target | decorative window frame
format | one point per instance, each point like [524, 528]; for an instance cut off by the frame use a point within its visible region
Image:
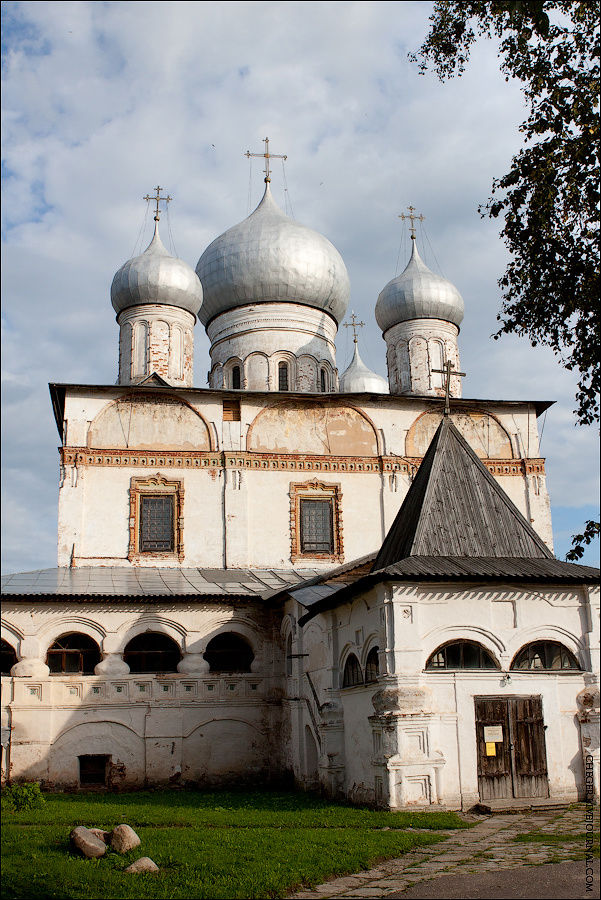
[155, 484]
[316, 490]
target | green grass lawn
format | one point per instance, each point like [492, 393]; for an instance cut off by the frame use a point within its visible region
[213, 845]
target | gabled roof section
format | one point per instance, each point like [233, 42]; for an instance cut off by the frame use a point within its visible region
[455, 508]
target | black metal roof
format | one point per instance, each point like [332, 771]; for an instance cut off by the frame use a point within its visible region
[456, 508]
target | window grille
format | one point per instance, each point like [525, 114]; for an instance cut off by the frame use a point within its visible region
[283, 376]
[317, 534]
[73, 654]
[156, 524]
[549, 655]
[372, 666]
[461, 655]
[352, 672]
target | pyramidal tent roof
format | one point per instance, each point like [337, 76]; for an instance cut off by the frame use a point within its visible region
[456, 508]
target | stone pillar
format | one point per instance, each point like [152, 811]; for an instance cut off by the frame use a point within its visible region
[588, 716]
[30, 661]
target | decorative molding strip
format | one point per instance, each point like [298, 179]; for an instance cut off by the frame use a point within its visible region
[298, 462]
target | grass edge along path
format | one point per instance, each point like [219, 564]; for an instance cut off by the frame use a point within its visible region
[206, 844]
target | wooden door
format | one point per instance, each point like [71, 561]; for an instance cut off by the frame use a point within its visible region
[494, 769]
[512, 760]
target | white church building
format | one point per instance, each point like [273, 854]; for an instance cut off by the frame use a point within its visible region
[296, 574]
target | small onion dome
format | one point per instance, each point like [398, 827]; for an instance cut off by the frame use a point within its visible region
[418, 294]
[358, 378]
[156, 277]
[271, 258]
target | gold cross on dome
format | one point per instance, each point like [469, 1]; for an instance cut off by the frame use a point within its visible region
[266, 156]
[413, 219]
[354, 325]
[157, 199]
[448, 370]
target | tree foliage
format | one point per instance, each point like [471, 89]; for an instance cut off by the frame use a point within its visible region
[550, 196]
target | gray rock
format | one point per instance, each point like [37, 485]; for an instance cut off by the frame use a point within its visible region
[145, 864]
[100, 833]
[84, 840]
[123, 838]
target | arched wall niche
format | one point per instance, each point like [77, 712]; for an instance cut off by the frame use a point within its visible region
[150, 422]
[330, 429]
[483, 432]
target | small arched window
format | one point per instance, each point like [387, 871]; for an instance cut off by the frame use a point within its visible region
[229, 652]
[352, 672]
[8, 657]
[461, 655]
[283, 380]
[73, 654]
[372, 666]
[236, 378]
[152, 652]
[550, 656]
[323, 381]
[289, 656]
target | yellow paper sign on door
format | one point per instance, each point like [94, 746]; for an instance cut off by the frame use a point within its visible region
[491, 748]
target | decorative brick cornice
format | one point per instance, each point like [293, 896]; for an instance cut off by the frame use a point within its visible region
[297, 462]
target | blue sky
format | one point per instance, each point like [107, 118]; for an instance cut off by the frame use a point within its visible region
[102, 101]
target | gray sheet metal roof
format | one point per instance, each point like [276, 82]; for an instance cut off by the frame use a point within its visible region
[120, 582]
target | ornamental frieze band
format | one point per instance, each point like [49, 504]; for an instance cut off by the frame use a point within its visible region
[206, 459]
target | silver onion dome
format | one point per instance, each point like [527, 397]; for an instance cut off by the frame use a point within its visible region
[156, 277]
[271, 258]
[357, 378]
[418, 293]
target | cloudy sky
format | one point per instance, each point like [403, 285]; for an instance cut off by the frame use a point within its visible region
[105, 100]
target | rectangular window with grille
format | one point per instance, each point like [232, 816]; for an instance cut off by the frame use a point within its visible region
[316, 526]
[156, 524]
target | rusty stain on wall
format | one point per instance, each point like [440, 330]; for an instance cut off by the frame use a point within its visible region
[296, 427]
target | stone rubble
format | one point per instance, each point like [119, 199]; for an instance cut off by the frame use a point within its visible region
[88, 843]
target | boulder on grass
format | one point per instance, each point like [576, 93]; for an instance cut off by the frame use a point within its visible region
[123, 838]
[100, 833]
[87, 843]
[145, 864]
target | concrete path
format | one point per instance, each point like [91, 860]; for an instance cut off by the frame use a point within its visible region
[484, 851]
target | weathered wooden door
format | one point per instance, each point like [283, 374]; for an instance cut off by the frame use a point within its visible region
[512, 761]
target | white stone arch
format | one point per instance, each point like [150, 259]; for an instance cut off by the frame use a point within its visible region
[256, 371]
[152, 623]
[139, 349]
[105, 721]
[436, 359]
[58, 627]
[287, 626]
[216, 377]
[218, 719]
[372, 640]
[13, 631]
[283, 356]
[547, 633]
[228, 369]
[447, 634]
[107, 737]
[308, 368]
[244, 629]
[330, 373]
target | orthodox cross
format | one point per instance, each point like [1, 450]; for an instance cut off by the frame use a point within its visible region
[266, 156]
[448, 370]
[157, 199]
[413, 219]
[354, 325]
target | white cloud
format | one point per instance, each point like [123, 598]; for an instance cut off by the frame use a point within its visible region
[102, 101]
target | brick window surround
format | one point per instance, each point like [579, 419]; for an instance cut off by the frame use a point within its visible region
[155, 486]
[315, 490]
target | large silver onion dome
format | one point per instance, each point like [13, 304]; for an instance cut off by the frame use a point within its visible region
[156, 277]
[271, 258]
[418, 293]
[358, 377]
